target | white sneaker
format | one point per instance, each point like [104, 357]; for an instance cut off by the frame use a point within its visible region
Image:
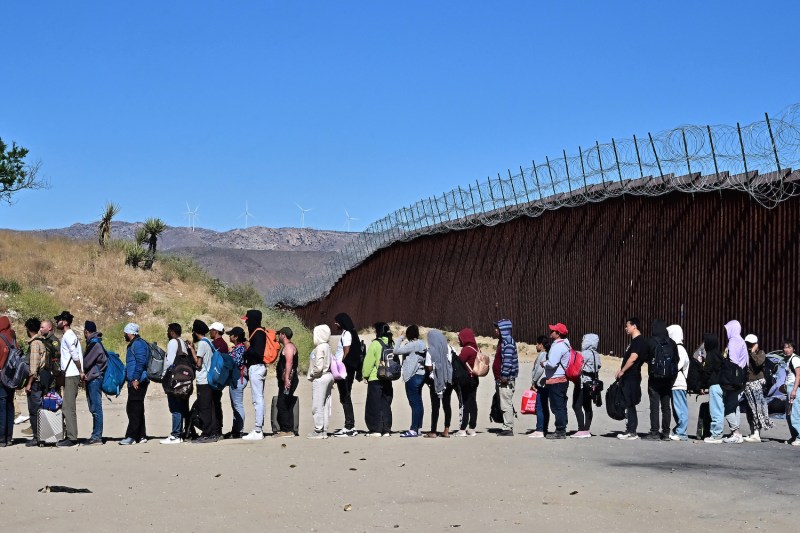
[627, 436]
[460, 433]
[172, 440]
[536, 435]
[386, 435]
[21, 418]
[375, 434]
[472, 433]
[254, 435]
[341, 432]
[752, 438]
[317, 435]
[733, 439]
[713, 440]
[796, 443]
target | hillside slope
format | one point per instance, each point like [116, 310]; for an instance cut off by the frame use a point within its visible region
[41, 277]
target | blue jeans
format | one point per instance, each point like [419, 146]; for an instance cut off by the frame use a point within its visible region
[237, 402]
[680, 411]
[793, 418]
[542, 410]
[6, 414]
[558, 402]
[94, 398]
[179, 408]
[716, 406]
[414, 394]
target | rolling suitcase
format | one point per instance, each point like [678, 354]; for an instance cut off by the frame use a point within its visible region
[295, 411]
[50, 427]
[704, 421]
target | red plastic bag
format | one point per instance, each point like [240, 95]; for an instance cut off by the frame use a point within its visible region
[528, 404]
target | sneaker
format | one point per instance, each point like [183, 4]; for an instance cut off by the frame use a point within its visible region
[388, 434]
[556, 435]
[628, 436]
[172, 440]
[203, 440]
[317, 435]
[20, 419]
[581, 435]
[32, 443]
[796, 443]
[374, 434]
[409, 433]
[127, 441]
[352, 432]
[27, 431]
[285, 434]
[713, 440]
[460, 433]
[93, 442]
[506, 433]
[653, 435]
[65, 443]
[673, 436]
[472, 433]
[733, 439]
[254, 435]
[752, 438]
[341, 433]
[536, 435]
[143, 440]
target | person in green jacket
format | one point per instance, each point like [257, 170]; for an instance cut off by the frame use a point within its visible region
[378, 409]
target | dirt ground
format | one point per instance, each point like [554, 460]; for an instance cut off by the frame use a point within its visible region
[470, 484]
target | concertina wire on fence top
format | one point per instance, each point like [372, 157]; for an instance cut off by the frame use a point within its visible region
[688, 159]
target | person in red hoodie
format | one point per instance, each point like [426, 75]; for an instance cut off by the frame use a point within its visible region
[467, 394]
[9, 340]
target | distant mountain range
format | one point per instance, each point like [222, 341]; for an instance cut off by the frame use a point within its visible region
[263, 257]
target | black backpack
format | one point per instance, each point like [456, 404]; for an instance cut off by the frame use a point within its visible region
[179, 378]
[615, 402]
[460, 372]
[698, 376]
[664, 362]
[15, 373]
[732, 377]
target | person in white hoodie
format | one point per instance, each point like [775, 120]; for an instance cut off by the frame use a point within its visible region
[319, 374]
[680, 407]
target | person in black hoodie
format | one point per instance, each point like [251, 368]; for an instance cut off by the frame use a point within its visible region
[715, 395]
[348, 350]
[256, 369]
[659, 388]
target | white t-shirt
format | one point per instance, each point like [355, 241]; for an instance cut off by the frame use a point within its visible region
[793, 364]
[71, 349]
[172, 351]
[204, 352]
[345, 340]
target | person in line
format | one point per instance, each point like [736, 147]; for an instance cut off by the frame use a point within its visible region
[178, 407]
[256, 369]
[468, 392]
[37, 354]
[630, 375]
[94, 366]
[8, 340]
[319, 374]
[582, 395]
[757, 409]
[378, 407]
[202, 350]
[440, 369]
[737, 353]
[680, 406]
[348, 350]
[716, 405]
[52, 345]
[792, 381]
[538, 379]
[286, 371]
[555, 370]
[215, 331]
[72, 369]
[136, 374]
[413, 356]
[659, 389]
[239, 381]
[505, 369]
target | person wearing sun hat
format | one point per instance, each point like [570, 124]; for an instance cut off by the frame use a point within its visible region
[556, 377]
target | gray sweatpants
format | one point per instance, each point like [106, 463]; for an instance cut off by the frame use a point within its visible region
[507, 404]
[69, 407]
[321, 401]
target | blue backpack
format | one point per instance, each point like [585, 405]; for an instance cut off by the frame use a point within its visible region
[114, 376]
[220, 372]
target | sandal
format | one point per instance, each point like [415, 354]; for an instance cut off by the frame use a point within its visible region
[431, 435]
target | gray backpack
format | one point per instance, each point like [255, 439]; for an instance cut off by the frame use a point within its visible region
[16, 370]
[155, 363]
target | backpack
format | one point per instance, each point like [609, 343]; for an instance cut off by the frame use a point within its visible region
[16, 370]
[220, 370]
[155, 362]
[272, 347]
[664, 362]
[179, 378]
[615, 402]
[114, 375]
[481, 366]
[697, 377]
[575, 366]
[389, 367]
[732, 377]
[460, 371]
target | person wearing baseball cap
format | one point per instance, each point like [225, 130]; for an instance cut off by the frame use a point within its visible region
[209, 401]
[215, 331]
[94, 366]
[72, 372]
[556, 377]
[758, 414]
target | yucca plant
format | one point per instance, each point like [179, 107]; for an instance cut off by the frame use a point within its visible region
[141, 236]
[135, 254]
[154, 228]
[104, 228]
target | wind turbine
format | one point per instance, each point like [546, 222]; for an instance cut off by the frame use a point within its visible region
[192, 214]
[348, 219]
[247, 214]
[303, 215]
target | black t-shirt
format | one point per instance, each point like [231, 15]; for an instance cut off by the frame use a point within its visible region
[641, 347]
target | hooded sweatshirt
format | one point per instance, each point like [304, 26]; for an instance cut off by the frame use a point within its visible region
[591, 359]
[438, 349]
[737, 349]
[353, 358]
[713, 357]
[95, 360]
[676, 334]
[469, 349]
[10, 336]
[320, 360]
[254, 355]
[414, 357]
[506, 360]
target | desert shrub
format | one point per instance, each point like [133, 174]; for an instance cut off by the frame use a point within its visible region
[244, 296]
[33, 303]
[10, 286]
[184, 269]
[139, 297]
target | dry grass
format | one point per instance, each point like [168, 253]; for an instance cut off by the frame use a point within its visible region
[94, 284]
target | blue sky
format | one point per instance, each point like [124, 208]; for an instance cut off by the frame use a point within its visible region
[358, 105]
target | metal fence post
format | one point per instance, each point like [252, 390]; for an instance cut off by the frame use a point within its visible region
[658, 162]
[550, 171]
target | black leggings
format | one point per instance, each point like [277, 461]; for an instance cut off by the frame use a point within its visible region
[582, 403]
[345, 387]
[444, 402]
[467, 402]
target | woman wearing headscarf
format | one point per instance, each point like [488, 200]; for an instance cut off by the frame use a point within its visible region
[319, 374]
[378, 408]
[413, 354]
[737, 353]
[441, 380]
[467, 392]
